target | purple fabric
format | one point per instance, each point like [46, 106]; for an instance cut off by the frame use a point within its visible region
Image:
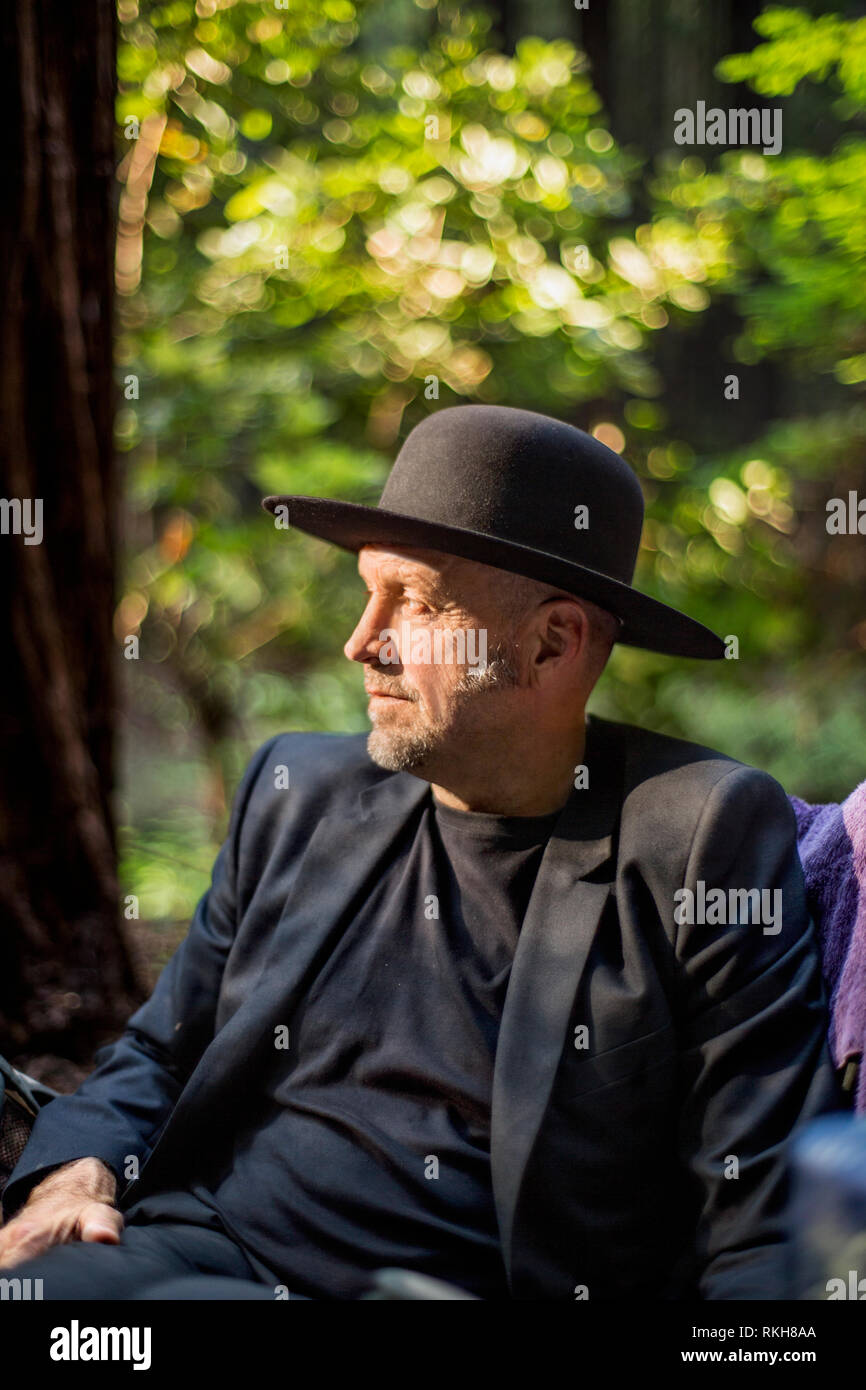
[832, 844]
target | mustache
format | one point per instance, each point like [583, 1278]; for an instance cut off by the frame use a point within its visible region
[391, 688]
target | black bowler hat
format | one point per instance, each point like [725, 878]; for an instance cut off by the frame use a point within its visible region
[502, 486]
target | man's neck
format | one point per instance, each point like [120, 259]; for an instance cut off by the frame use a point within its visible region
[529, 785]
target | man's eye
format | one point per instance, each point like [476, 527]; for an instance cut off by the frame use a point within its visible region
[416, 606]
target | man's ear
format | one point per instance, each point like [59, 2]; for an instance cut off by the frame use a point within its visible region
[563, 630]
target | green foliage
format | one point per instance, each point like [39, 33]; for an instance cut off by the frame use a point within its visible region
[320, 230]
[801, 46]
[788, 244]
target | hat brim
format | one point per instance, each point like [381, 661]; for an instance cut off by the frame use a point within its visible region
[646, 622]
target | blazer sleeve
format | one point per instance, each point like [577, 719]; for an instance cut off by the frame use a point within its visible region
[120, 1108]
[754, 1061]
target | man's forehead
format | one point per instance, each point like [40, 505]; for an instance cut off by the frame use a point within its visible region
[411, 562]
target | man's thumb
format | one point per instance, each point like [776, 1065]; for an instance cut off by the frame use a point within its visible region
[101, 1223]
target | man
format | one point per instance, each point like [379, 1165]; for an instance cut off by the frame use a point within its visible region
[506, 994]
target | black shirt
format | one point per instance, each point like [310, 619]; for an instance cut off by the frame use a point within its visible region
[369, 1144]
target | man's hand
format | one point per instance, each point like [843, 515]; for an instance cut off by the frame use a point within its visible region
[75, 1202]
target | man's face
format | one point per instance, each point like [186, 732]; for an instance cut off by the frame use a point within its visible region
[429, 620]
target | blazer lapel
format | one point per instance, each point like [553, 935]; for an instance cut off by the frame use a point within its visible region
[343, 854]
[555, 940]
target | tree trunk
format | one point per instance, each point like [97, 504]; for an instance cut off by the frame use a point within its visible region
[66, 977]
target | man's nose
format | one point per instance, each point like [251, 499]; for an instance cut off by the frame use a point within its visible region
[366, 641]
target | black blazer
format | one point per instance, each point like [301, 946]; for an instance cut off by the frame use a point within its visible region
[640, 1061]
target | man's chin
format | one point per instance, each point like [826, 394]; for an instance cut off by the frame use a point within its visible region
[398, 753]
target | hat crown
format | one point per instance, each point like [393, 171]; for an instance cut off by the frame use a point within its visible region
[525, 478]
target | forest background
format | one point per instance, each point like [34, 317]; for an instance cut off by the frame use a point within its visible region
[331, 217]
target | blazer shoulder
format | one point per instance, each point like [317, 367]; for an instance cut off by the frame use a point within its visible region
[322, 771]
[667, 781]
[647, 753]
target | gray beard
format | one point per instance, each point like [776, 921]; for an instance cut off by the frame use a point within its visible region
[396, 751]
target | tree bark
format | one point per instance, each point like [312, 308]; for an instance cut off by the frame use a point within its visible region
[66, 976]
